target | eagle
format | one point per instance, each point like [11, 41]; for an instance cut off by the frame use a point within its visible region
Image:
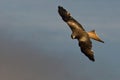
[79, 33]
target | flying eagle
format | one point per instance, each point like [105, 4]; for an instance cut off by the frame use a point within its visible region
[79, 33]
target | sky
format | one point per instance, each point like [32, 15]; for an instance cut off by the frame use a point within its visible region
[35, 43]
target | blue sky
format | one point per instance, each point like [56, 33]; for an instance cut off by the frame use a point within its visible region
[35, 43]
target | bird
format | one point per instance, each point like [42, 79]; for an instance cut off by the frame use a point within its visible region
[79, 33]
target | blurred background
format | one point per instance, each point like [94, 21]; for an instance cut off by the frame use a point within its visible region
[35, 43]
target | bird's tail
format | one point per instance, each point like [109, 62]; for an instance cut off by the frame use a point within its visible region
[93, 35]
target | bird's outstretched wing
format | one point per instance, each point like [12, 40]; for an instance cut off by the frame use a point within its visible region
[72, 23]
[86, 46]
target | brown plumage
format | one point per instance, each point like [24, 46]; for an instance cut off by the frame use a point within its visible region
[79, 33]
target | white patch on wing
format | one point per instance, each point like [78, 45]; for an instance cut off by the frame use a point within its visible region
[83, 39]
[71, 23]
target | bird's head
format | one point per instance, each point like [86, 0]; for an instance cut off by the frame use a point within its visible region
[64, 13]
[73, 36]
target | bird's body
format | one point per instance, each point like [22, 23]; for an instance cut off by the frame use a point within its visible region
[79, 33]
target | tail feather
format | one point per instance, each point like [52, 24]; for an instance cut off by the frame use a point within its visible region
[93, 35]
